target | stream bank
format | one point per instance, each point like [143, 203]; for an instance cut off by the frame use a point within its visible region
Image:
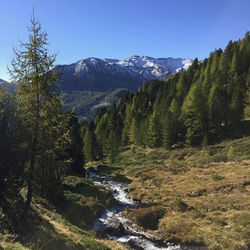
[114, 223]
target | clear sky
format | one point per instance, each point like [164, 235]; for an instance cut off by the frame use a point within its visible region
[121, 28]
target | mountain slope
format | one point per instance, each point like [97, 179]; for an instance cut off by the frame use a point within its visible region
[102, 74]
[91, 83]
[2, 81]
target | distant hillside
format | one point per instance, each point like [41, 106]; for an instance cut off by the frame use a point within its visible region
[2, 81]
[94, 82]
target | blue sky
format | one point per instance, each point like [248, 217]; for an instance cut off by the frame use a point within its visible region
[121, 28]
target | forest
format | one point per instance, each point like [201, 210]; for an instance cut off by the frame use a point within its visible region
[183, 111]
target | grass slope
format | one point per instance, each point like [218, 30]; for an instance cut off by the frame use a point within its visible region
[194, 196]
[67, 226]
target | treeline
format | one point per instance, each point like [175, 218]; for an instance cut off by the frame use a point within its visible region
[39, 141]
[209, 95]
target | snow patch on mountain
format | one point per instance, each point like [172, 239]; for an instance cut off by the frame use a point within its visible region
[2, 81]
[145, 67]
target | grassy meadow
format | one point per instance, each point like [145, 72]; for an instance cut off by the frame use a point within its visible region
[67, 225]
[193, 196]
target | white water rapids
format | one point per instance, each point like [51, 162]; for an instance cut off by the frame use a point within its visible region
[113, 221]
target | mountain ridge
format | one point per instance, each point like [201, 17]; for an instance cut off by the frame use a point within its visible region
[2, 81]
[99, 74]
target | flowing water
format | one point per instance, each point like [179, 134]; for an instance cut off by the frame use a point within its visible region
[116, 225]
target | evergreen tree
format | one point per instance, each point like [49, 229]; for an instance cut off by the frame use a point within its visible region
[168, 130]
[127, 124]
[75, 149]
[215, 104]
[11, 159]
[40, 112]
[154, 131]
[186, 106]
[102, 134]
[90, 143]
[193, 113]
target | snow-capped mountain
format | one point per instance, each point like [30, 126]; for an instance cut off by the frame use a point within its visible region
[92, 83]
[152, 68]
[2, 81]
[99, 74]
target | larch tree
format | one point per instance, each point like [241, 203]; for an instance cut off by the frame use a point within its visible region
[90, 143]
[40, 111]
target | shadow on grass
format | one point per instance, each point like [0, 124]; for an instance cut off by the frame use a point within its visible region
[230, 132]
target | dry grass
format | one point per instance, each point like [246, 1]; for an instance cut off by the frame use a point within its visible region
[205, 192]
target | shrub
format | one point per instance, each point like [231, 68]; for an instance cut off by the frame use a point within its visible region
[217, 177]
[148, 217]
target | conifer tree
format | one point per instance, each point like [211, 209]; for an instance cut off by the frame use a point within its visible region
[154, 131]
[75, 148]
[193, 113]
[168, 130]
[90, 143]
[40, 112]
[127, 124]
[11, 159]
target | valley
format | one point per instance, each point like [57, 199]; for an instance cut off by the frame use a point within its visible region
[138, 153]
[194, 197]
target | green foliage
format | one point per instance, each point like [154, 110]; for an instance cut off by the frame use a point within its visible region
[154, 136]
[184, 109]
[45, 132]
[86, 103]
[90, 143]
[75, 149]
[11, 159]
[217, 177]
[194, 114]
[83, 201]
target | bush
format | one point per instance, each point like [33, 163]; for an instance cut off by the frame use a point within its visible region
[148, 217]
[217, 177]
[180, 204]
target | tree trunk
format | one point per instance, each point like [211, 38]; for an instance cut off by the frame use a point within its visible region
[31, 171]
[33, 158]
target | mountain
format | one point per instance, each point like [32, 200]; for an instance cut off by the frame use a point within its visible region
[2, 81]
[11, 87]
[92, 82]
[102, 74]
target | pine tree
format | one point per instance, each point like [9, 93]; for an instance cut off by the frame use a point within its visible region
[102, 134]
[40, 112]
[11, 157]
[154, 131]
[90, 143]
[216, 104]
[168, 130]
[193, 113]
[127, 124]
[75, 148]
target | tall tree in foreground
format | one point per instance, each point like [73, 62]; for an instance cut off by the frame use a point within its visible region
[40, 112]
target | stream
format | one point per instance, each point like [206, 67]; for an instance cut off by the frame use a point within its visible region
[114, 223]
